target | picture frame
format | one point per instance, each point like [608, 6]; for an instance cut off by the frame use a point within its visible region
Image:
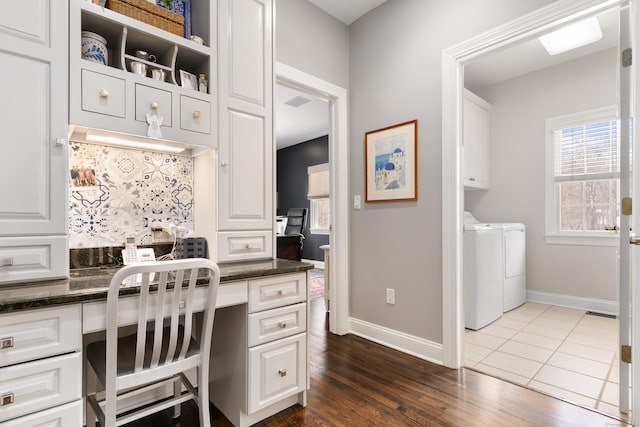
[188, 80]
[391, 163]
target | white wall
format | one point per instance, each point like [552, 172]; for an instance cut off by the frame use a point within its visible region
[517, 157]
[310, 40]
[395, 77]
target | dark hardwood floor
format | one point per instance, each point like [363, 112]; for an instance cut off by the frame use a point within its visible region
[355, 382]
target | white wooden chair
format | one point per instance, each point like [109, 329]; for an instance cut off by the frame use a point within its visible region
[161, 350]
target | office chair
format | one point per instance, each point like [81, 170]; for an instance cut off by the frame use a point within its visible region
[296, 219]
[162, 349]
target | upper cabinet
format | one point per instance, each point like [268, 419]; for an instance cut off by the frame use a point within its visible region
[151, 80]
[33, 209]
[245, 151]
[475, 137]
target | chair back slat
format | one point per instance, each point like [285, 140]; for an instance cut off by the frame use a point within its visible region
[158, 329]
[175, 316]
[188, 313]
[143, 310]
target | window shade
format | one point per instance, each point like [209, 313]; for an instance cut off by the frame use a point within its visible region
[586, 152]
[318, 181]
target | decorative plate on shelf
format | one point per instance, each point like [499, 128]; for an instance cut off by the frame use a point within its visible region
[182, 7]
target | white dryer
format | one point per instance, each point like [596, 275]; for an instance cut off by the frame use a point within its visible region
[482, 275]
[514, 265]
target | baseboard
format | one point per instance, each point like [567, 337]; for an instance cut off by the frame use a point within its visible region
[419, 347]
[588, 304]
[316, 264]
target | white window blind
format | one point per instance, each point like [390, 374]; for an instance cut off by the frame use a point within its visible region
[318, 181]
[586, 172]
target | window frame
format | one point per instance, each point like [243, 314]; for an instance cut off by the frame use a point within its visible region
[553, 234]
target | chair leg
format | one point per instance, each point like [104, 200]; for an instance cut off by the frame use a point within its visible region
[203, 397]
[91, 389]
[177, 390]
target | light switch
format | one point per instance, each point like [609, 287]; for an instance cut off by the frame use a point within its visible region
[356, 201]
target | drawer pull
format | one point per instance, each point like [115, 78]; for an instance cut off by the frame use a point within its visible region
[224, 162]
[6, 262]
[283, 292]
[196, 114]
[182, 304]
[248, 246]
[6, 343]
[7, 399]
[104, 93]
[155, 105]
[282, 324]
[282, 372]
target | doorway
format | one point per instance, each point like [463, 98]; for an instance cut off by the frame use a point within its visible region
[339, 185]
[454, 60]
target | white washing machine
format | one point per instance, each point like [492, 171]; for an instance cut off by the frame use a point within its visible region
[482, 275]
[514, 265]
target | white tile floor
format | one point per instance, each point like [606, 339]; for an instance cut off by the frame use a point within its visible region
[560, 351]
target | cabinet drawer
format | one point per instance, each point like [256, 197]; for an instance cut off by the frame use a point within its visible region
[277, 291]
[34, 334]
[276, 371]
[103, 94]
[244, 245]
[147, 98]
[277, 323]
[195, 115]
[33, 258]
[63, 415]
[29, 387]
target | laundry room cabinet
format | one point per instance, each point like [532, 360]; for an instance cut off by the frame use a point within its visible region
[33, 168]
[476, 134]
[245, 148]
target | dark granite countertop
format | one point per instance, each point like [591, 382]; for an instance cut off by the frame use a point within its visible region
[87, 284]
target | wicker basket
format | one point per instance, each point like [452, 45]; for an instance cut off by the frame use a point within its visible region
[150, 14]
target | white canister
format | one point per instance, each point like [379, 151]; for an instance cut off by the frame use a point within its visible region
[94, 48]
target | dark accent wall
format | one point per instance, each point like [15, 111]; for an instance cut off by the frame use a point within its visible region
[292, 183]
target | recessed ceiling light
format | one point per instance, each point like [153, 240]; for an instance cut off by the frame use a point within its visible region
[572, 36]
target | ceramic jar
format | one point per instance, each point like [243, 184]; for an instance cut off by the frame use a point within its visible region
[94, 48]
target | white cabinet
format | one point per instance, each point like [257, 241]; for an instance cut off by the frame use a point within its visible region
[41, 367]
[245, 86]
[111, 97]
[34, 117]
[476, 134]
[260, 356]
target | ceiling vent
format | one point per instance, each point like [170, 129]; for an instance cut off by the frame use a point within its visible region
[297, 101]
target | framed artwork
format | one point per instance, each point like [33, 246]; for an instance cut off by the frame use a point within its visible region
[391, 163]
[188, 80]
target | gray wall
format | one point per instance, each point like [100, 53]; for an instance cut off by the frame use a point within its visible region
[390, 60]
[309, 39]
[517, 194]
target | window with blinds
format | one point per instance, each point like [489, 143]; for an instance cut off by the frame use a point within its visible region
[583, 173]
[587, 173]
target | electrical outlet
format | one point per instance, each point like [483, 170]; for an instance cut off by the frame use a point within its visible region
[391, 296]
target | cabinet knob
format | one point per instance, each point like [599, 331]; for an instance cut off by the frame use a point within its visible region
[282, 324]
[196, 114]
[248, 246]
[224, 162]
[59, 142]
[155, 105]
[6, 343]
[282, 372]
[104, 93]
[6, 262]
[282, 292]
[7, 399]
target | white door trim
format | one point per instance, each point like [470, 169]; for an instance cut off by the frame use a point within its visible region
[339, 166]
[453, 60]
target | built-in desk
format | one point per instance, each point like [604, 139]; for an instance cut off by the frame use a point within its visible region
[260, 324]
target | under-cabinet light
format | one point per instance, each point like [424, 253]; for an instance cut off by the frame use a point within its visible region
[572, 36]
[124, 142]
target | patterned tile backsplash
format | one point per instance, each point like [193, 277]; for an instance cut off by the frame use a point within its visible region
[116, 192]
